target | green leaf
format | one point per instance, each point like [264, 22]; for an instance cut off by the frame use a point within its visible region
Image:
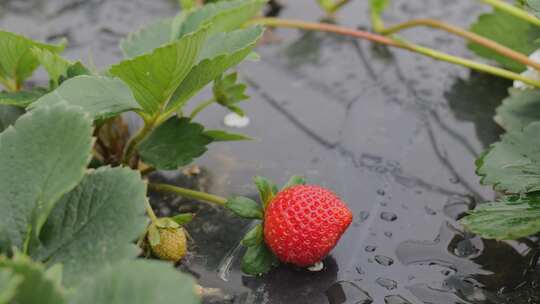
[147, 38]
[258, 260]
[138, 282]
[244, 207]
[510, 218]
[534, 7]
[55, 273]
[187, 4]
[228, 93]
[17, 61]
[519, 110]
[94, 225]
[54, 64]
[220, 17]
[220, 135]
[230, 42]
[183, 218]
[513, 164]
[35, 287]
[8, 116]
[154, 77]
[74, 70]
[173, 144]
[254, 237]
[208, 70]
[58, 68]
[223, 16]
[265, 187]
[22, 98]
[8, 284]
[101, 97]
[496, 26]
[42, 157]
[295, 180]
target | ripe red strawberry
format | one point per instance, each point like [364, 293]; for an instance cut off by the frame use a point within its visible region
[303, 223]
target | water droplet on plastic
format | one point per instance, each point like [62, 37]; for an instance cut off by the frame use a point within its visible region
[388, 234]
[384, 260]
[464, 248]
[446, 272]
[370, 248]
[347, 292]
[454, 180]
[359, 270]
[395, 299]
[429, 211]
[363, 215]
[386, 283]
[381, 192]
[388, 216]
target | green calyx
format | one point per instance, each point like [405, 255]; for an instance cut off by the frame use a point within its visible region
[174, 222]
[258, 258]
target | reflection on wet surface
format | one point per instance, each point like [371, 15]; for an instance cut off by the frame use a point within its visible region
[393, 133]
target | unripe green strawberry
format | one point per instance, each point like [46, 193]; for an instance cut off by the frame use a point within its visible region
[303, 223]
[172, 244]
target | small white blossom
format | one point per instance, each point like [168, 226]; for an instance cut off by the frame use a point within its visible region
[234, 120]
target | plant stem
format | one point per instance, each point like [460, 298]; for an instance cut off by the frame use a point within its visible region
[488, 43]
[150, 211]
[513, 10]
[147, 170]
[188, 193]
[201, 107]
[331, 7]
[473, 65]
[339, 4]
[376, 21]
[134, 142]
[324, 27]
[277, 22]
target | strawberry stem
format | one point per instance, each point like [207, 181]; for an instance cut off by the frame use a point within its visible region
[201, 107]
[438, 55]
[188, 193]
[133, 142]
[332, 6]
[473, 37]
[150, 211]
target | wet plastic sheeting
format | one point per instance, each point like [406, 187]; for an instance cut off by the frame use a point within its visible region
[395, 134]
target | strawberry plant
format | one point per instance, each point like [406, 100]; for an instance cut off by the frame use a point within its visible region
[69, 166]
[61, 236]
